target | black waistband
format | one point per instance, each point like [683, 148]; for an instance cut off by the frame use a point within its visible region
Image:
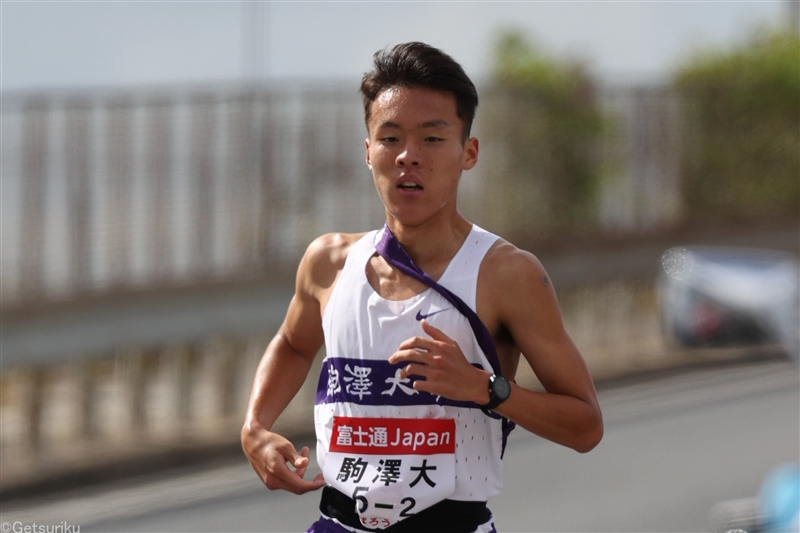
[447, 516]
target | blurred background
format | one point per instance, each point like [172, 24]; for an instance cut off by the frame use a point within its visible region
[164, 166]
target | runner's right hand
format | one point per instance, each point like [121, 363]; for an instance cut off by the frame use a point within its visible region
[277, 462]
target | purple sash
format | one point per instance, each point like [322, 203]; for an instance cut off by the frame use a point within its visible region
[393, 252]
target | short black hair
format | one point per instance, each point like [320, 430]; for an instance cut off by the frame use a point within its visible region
[417, 64]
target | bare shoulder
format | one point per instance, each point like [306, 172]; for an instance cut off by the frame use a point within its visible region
[513, 283]
[504, 263]
[324, 259]
[331, 248]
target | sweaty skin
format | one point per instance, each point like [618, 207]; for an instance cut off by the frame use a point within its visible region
[416, 153]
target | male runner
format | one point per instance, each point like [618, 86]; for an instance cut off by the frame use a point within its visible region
[416, 392]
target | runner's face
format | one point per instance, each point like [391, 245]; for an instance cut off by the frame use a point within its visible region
[416, 153]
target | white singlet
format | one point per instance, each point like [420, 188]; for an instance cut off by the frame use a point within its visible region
[392, 449]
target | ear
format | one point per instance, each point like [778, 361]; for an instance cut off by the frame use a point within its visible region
[470, 157]
[366, 148]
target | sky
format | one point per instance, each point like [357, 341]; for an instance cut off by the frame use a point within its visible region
[77, 44]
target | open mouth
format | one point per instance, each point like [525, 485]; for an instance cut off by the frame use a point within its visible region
[409, 186]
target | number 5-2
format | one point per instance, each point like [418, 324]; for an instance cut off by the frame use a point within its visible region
[361, 501]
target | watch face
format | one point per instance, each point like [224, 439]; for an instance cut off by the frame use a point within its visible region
[502, 388]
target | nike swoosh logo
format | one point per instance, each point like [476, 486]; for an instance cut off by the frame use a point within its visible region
[420, 316]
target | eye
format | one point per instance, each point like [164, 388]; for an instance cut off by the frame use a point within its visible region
[388, 139]
[432, 139]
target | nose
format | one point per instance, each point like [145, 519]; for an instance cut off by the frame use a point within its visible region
[408, 156]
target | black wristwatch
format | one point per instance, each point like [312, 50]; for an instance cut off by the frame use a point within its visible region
[499, 391]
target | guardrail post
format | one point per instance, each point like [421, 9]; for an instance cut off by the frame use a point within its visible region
[188, 357]
[229, 360]
[140, 363]
[136, 389]
[88, 398]
[33, 405]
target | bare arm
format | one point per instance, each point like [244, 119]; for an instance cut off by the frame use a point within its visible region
[513, 295]
[279, 376]
[284, 368]
[567, 412]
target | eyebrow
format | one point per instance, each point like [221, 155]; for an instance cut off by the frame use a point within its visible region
[436, 123]
[389, 124]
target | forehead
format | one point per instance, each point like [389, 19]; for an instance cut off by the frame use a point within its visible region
[411, 106]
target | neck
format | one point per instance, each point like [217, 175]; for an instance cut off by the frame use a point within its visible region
[432, 244]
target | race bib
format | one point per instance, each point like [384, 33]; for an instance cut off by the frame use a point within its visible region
[392, 467]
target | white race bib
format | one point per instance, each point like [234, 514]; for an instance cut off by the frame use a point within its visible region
[392, 467]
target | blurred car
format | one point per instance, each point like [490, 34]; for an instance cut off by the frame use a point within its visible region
[717, 296]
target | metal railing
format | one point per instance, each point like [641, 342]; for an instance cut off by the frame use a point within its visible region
[117, 191]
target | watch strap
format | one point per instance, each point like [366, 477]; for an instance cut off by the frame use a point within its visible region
[494, 399]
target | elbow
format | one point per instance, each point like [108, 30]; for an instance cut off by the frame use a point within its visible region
[590, 438]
